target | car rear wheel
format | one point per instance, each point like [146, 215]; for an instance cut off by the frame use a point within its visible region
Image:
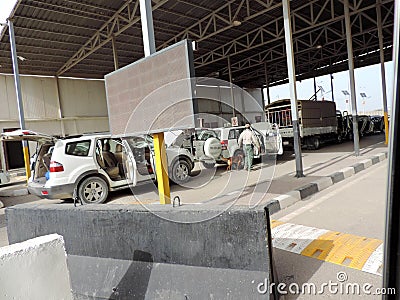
[93, 190]
[180, 171]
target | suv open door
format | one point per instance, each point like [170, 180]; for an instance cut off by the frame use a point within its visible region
[272, 137]
[27, 135]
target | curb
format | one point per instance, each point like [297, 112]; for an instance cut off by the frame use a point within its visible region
[14, 193]
[282, 201]
[12, 183]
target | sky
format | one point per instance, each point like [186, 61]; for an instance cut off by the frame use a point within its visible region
[367, 80]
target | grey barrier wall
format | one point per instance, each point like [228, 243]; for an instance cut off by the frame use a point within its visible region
[129, 252]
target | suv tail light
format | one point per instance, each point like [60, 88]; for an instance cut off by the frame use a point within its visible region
[224, 144]
[56, 167]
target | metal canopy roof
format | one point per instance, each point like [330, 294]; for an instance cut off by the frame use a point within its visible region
[74, 37]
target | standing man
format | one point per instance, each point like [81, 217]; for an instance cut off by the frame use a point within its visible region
[248, 139]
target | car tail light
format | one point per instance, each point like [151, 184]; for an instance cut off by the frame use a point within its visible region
[45, 192]
[56, 167]
[224, 144]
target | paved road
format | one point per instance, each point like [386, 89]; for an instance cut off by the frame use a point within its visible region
[355, 206]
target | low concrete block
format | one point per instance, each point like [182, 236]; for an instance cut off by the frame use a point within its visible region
[375, 160]
[323, 183]
[308, 190]
[337, 177]
[367, 163]
[1, 204]
[381, 156]
[286, 200]
[135, 252]
[294, 194]
[358, 167]
[274, 206]
[347, 172]
[35, 269]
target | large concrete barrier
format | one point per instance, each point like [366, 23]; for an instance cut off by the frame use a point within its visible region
[35, 269]
[128, 252]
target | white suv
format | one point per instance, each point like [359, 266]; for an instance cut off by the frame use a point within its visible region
[89, 166]
[218, 144]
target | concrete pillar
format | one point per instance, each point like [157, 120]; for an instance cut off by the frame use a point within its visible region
[292, 87]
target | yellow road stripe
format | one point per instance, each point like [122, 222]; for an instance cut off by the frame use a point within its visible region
[342, 249]
[335, 247]
[275, 223]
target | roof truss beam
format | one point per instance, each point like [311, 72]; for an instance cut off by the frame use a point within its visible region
[256, 38]
[222, 19]
[124, 18]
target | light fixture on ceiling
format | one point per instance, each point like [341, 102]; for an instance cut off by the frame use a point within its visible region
[21, 58]
[319, 46]
[236, 22]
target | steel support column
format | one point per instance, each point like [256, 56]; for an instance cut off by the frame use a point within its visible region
[315, 89]
[383, 77]
[333, 96]
[391, 263]
[146, 15]
[19, 97]
[231, 86]
[267, 83]
[60, 114]
[292, 87]
[352, 80]
[115, 54]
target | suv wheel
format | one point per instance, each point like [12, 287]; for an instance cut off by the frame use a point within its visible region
[180, 171]
[93, 190]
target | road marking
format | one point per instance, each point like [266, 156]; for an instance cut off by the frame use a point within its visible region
[343, 249]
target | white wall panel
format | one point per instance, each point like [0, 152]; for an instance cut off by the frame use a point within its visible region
[83, 98]
[83, 103]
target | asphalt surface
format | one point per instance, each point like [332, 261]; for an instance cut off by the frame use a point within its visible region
[356, 206]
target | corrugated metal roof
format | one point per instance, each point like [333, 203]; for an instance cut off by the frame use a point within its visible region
[50, 35]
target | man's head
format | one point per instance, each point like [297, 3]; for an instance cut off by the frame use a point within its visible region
[247, 126]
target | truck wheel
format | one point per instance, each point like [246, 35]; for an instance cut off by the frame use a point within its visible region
[339, 139]
[93, 190]
[316, 143]
[180, 171]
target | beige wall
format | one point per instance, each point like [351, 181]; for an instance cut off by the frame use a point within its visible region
[83, 106]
